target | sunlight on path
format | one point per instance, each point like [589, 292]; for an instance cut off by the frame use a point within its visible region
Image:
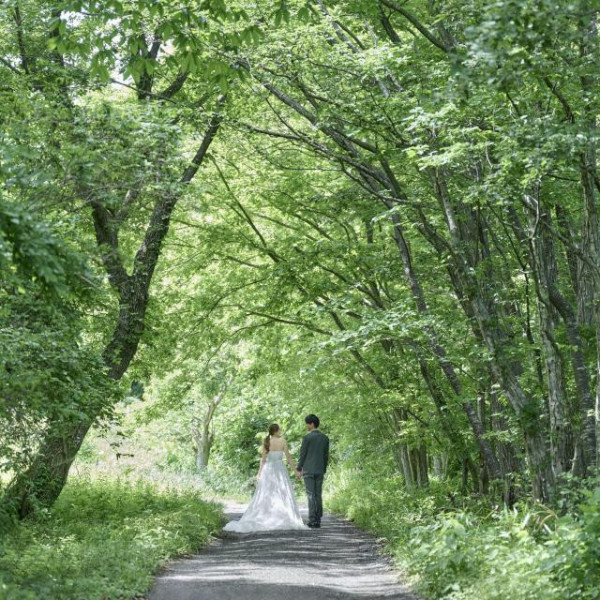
[336, 561]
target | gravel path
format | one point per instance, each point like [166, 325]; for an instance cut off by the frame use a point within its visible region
[334, 562]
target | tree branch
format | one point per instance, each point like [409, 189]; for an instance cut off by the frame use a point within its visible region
[412, 19]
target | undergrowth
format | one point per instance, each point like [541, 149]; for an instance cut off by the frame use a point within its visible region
[470, 549]
[103, 539]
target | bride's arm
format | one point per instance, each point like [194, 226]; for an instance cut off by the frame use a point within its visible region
[263, 459]
[288, 456]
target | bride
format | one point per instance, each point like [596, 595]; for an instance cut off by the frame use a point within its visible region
[273, 505]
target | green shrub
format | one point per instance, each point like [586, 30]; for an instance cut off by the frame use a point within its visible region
[103, 540]
[576, 549]
[465, 549]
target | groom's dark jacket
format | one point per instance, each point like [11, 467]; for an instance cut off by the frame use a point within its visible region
[314, 453]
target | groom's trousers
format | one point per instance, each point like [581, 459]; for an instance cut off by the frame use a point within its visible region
[313, 482]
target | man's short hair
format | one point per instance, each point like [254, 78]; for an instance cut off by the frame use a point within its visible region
[312, 419]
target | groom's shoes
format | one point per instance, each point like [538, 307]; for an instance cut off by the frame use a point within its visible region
[314, 525]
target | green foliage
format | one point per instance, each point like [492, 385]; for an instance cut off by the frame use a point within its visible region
[575, 554]
[48, 371]
[103, 539]
[458, 549]
[31, 251]
[370, 237]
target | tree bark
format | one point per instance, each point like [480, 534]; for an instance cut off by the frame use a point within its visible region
[543, 261]
[41, 484]
[204, 431]
[496, 333]
[590, 268]
[491, 462]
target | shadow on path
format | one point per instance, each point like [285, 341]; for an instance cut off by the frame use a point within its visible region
[336, 561]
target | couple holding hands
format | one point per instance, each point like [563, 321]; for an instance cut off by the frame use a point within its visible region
[273, 505]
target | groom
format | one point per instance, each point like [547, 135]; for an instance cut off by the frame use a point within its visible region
[312, 464]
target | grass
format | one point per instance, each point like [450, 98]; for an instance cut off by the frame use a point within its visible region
[103, 539]
[459, 550]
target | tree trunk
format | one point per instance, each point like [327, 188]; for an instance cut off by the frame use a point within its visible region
[465, 239]
[415, 469]
[511, 463]
[491, 462]
[41, 484]
[204, 445]
[204, 431]
[565, 435]
[590, 268]
[440, 465]
[44, 479]
[543, 260]
[412, 461]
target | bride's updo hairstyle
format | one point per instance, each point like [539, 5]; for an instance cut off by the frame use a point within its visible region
[273, 429]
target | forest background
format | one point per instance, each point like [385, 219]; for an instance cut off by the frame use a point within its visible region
[216, 215]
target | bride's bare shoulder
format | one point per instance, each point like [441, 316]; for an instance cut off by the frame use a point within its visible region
[278, 444]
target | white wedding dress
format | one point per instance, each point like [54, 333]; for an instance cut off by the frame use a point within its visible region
[273, 505]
